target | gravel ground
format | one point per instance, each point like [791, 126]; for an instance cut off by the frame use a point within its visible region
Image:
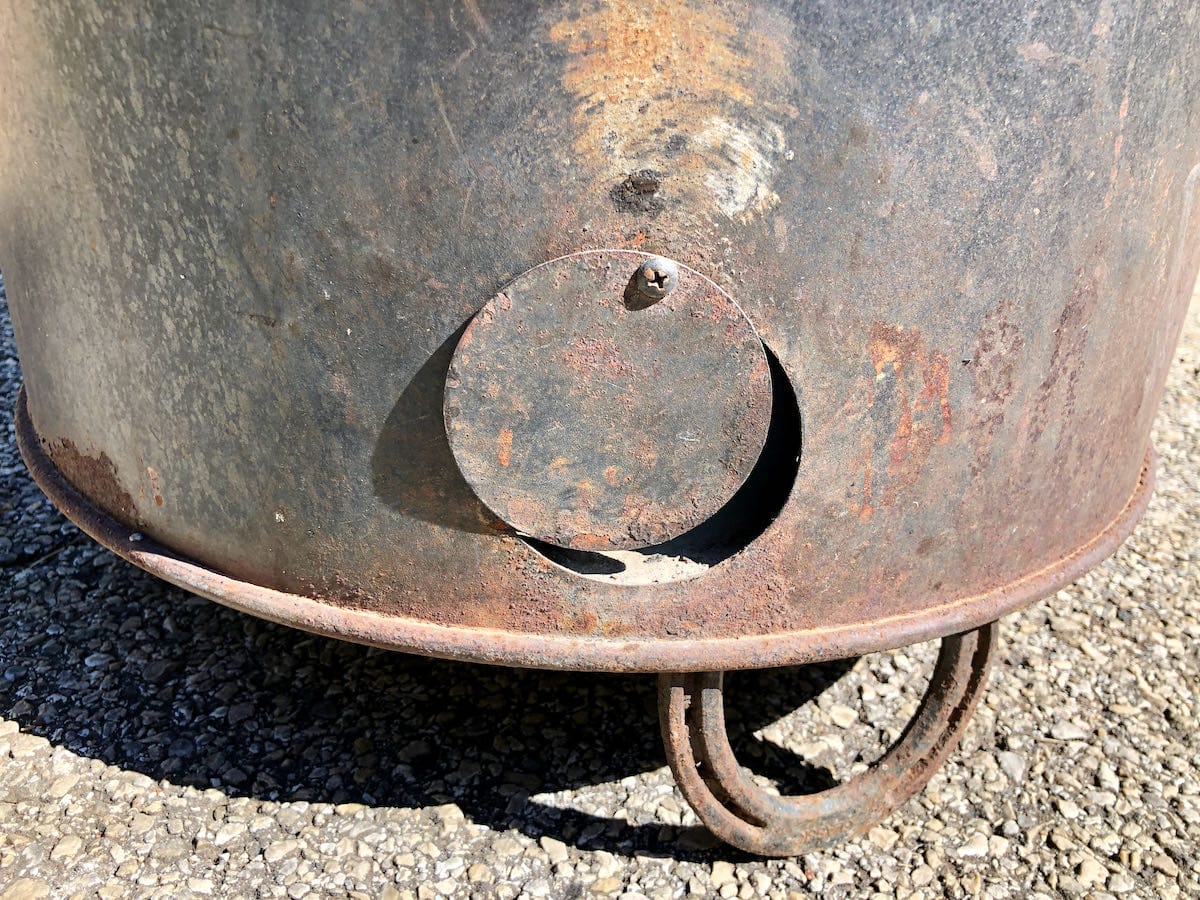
[156, 745]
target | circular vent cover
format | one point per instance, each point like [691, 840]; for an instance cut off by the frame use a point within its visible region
[608, 400]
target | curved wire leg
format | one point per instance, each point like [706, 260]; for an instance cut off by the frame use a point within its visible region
[691, 712]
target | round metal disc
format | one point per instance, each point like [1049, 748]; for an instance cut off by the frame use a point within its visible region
[592, 415]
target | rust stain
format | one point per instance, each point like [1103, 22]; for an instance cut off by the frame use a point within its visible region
[713, 125]
[994, 369]
[585, 495]
[154, 485]
[1070, 342]
[647, 453]
[504, 443]
[921, 402]
[96, 478]
[587, 355]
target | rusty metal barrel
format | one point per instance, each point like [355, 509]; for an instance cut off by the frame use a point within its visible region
[677, 337]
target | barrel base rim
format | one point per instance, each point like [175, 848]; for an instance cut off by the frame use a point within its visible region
[572, 652]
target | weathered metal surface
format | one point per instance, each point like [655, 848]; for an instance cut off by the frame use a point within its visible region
[692, 715]
[586, 413]
[551, 651]
[241, 242]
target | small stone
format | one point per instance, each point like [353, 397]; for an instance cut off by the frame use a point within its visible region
[200, 885]
[158, 671]
[506, 847]
[227, 833]
[60, 787]
[1060, 840]
[843, 716]
[1012, 764]
[555, 849]
[67, 848]
[1120, 883]
[976, 847]
[280, 850]
[1107, 778]
[698, 838]
[997, 845]
[722, 873]
[609, 885]
[1068, 808]
[1068, 731]
[922, 875]
[450, 817]
[1165, 864]
[480, 873]
[883, 838]
[26, 889]
[1090, 872]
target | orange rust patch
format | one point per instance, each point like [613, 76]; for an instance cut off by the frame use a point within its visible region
[504, 443]
[647, 453]
[96, 478]
[585, 495]
[610, 475]
[713, 72]
[921, 402]
[994, 368]
[154, 485]
[600, 355]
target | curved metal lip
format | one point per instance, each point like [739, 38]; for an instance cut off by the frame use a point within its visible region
[574, 653]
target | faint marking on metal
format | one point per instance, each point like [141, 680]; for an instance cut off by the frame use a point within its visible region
[692, 717]
[592, 422]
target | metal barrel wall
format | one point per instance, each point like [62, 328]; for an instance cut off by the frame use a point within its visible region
[242, 242]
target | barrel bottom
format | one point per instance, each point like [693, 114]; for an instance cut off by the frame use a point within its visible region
[567, 652]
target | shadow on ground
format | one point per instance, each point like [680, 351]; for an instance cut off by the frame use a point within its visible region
[109, 663]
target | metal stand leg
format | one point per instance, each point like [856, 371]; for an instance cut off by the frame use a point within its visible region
[692, 715]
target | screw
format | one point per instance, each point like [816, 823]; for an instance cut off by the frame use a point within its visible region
[654, 279]
[658, 277]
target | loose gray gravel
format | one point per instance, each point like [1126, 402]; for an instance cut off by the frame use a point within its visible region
[156, 745]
